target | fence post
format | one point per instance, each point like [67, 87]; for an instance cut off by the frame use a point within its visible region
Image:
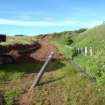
[41, 72]
[91, 51]
[78, 50]
[86, 51]
[82, 51]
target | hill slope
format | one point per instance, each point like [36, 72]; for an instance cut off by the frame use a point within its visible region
[74, 85]
[94, 65]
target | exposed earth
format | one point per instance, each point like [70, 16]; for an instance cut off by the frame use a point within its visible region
[37, 51]
[46, 47]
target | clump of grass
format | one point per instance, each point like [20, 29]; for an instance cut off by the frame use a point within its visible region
[9, 97]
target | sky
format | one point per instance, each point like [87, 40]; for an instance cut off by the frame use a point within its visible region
[32, 17]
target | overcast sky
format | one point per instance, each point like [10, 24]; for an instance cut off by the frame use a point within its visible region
[46, 16]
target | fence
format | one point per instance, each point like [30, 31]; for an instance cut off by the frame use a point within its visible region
[41, 72]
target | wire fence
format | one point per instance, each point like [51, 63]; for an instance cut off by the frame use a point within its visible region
[82, 71]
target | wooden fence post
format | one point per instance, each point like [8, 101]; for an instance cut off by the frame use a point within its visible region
[86, 51]
[91, 51]
[41, 72]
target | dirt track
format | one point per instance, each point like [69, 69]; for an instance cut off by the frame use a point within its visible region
[46, 47]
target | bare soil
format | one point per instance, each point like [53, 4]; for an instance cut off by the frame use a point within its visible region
[38, 51]
[42, 53]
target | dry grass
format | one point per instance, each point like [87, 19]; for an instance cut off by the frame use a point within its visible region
[19, 39]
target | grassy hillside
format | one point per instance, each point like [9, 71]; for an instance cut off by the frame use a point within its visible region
[19, 39]
[94, 65]
[78, 90]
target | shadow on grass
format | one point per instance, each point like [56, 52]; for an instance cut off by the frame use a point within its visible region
[2, 100]
[51, 81]
[31, 67]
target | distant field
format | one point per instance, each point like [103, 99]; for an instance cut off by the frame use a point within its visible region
[19, 39]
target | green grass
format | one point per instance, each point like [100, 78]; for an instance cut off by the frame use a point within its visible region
[94, 38]
[9, 97]
[78, 90]
[61, 45]
[93, 65]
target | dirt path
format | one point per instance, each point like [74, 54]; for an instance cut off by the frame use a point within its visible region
[42, 53]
